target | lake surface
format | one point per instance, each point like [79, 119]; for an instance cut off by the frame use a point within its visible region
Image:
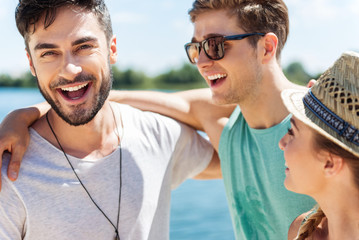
[199, 208]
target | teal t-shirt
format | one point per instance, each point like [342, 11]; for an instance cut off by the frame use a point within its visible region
[253, 174]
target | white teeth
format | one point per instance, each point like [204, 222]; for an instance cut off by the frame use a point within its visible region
[286, 165]
[216, 76]
[75, 88]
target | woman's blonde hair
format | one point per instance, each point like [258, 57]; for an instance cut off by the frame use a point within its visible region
[311, 223]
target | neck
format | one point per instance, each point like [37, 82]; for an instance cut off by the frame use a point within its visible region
[94, 140]
[265, 109]
[342, 213]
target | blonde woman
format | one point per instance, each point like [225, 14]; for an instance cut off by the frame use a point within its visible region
[322, 152]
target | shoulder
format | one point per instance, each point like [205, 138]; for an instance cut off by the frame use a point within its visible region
[295, 226]
[149, 125]
[232, 120]
[136, 115]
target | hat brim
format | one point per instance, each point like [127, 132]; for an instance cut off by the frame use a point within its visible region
[293, 100]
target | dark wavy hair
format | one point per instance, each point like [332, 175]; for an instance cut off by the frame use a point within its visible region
[29, 12]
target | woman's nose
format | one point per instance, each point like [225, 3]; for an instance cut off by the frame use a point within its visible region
[283, 142]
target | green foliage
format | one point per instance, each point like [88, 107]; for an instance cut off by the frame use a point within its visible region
[295, 73]
[6, 80]
[186, 74]
[26, 80]
[127, 79]
[185, 77]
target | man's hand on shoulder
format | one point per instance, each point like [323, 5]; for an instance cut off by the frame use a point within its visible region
[14, 138]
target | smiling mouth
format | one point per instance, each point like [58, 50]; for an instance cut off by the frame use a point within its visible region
[75, 92]
[216, 78]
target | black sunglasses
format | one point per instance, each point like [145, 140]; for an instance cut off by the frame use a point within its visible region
[212, 46]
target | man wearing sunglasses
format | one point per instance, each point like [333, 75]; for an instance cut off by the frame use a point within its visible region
[213, 47]
[236, 47]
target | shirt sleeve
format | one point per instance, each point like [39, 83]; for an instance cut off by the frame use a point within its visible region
[191, 155]
[12, 211]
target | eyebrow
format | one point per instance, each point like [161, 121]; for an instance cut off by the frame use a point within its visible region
[83, 40]
[293, 123]
[207, 36]
[41, 46]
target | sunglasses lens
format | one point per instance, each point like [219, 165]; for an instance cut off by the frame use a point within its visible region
[192, 51]
[213, 48]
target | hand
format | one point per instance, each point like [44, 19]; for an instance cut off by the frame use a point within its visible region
[14, 138]
[311, 83]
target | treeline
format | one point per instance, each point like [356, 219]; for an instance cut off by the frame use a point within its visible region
[185, 77]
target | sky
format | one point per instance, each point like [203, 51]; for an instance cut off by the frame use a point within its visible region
[151, 34]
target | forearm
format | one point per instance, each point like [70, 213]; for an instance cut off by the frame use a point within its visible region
[193, 107]
[213, 170]
[26, 116]
[173, 105]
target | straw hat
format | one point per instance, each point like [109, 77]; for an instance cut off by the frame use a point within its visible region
[331, 106]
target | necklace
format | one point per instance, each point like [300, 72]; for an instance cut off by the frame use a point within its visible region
[117, 237]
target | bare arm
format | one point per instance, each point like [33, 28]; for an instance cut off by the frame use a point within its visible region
[193, 107]
[14, 135]
[213, 171]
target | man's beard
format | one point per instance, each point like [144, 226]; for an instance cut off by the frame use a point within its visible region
[79, 115]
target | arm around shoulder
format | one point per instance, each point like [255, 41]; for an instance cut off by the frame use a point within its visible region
[193, 107]
[176, 105]
[14, 136]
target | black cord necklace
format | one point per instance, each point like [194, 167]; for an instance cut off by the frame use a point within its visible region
[117, 237]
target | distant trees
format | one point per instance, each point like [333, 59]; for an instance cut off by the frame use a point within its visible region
[184, 77]
[296, 73]
[128, 78]
[25, 80]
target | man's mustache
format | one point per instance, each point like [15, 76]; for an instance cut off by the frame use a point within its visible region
[78, 79]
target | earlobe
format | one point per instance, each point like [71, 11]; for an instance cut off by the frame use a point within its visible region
[113, 50]
[32, 69]
[270, 43]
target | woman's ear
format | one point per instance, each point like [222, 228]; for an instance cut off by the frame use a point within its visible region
[333, 165]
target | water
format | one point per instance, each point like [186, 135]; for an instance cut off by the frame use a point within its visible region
[198, 209]
[13, 98]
